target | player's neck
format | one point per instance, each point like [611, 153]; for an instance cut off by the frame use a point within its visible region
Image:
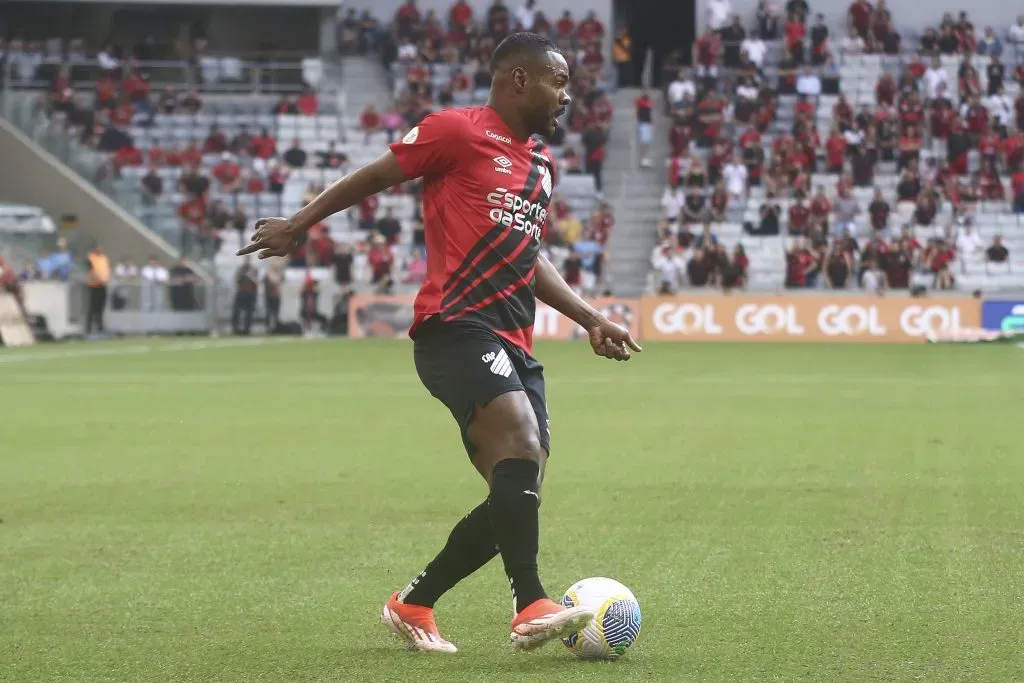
[510, 118]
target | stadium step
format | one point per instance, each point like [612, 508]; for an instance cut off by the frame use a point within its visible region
[634, 193]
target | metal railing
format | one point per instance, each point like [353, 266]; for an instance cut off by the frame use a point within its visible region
[208, 74]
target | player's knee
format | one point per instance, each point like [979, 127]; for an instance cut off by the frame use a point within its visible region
[523, 442]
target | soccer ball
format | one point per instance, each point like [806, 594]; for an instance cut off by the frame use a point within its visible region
[616, 621]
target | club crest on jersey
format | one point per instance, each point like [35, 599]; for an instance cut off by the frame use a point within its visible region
[503, 165]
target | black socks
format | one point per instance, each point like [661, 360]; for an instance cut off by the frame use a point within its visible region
[508, 520]
[470, 546]
[516, 526]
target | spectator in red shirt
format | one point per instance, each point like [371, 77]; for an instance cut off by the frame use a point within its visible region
[307, 103]
[369, 121]
[859, 17]
[835, 151]
[263, 145]
[937, 259]
[155, 155]
[796, 33]
[990, 184]
[106, 92]
[135, 87]
[121, 115]
[910, 147]
[799, 218]
[881, 25]
[799, 261]
[990, 145]
[407, 18]
[820, 208]
[254, 183]
[1017, 182]
[192, 213]
[706, 50]
[565, 27]
[368, 213]
[942, 119]
[885, 90]
[216, 142]
[1013, 151]
[381, 260]
[129, 155]
[842, 113]
[976, 116]
[911, 110]
[590, 29]
[228, 173]
[680, 137]
[878, 212]
[191, 155]
[460, 14]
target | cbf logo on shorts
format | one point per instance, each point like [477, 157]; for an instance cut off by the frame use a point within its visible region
[499, 362]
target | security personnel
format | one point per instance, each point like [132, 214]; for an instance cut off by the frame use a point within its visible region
[97, 281]
[621, 49]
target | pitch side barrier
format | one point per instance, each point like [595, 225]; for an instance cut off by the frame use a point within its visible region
[706, 317]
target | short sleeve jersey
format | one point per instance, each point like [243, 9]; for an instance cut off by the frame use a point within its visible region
[485, 206]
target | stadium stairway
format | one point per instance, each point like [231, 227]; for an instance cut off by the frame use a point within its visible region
[364, 81]
[634, 193]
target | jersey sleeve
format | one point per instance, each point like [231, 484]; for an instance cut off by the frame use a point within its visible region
[431, 148]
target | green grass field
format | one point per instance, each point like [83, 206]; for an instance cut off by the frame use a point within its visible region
[240, 513]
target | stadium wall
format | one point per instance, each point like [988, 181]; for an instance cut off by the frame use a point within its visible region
[33, 176]
[739, 317]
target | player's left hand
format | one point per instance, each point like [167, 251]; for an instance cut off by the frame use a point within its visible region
[612, 341]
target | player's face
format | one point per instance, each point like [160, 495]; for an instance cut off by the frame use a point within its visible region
[547, 99]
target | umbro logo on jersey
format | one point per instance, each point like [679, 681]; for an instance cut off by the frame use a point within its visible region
[503, 165]
[500, 363]
[499, 138]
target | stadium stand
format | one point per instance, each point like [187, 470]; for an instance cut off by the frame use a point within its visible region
[824, 130]
[180, 146]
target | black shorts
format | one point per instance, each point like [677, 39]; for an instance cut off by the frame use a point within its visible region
[464, 363]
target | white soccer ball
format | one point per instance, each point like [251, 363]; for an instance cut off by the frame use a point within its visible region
[616, 623]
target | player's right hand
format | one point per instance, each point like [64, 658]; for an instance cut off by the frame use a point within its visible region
[273, 237]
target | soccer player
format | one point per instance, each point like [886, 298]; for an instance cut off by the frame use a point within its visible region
[487, 185]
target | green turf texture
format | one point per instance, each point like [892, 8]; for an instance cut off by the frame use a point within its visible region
[783, 513]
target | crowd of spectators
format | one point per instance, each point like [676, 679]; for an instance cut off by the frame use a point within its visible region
[212, 170]
[957, 148]
[419, 47]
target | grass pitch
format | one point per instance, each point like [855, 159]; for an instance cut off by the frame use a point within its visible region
[183, 511]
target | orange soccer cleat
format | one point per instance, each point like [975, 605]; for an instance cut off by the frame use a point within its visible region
[415, 624]
[543, 620]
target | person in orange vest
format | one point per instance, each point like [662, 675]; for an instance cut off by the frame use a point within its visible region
[97, 281]
[621, 54]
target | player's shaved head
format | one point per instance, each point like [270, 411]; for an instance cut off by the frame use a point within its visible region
[529, 77]
[520, 49]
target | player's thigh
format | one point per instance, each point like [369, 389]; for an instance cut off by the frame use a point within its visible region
[468, 368]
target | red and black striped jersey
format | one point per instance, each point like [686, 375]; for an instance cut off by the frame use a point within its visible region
[485, 206]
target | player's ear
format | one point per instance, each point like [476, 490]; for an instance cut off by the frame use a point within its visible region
[519, 77]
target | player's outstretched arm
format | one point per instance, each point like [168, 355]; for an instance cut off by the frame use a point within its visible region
[606, 338]
[276, 236]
